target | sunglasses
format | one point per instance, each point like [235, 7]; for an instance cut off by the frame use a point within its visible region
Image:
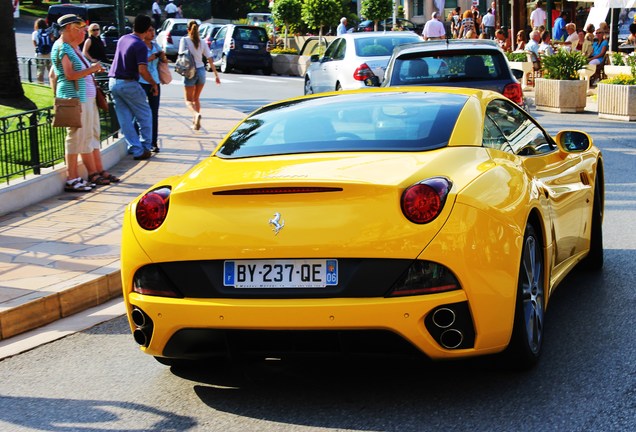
[95, 30]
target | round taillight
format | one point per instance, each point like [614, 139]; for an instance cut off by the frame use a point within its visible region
[424, 201]
[152, 208]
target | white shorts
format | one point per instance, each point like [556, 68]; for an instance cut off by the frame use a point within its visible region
[85, 139]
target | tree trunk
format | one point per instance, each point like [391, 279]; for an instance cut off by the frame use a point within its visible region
[11, 91]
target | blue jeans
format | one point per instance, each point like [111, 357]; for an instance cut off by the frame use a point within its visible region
[131, 105]
[153, 101]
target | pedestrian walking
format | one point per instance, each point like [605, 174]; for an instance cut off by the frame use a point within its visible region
[71, 77]
[42, 42]
[455, 19]
[131, 104]
[194, 86]
[434, 29]
[171, 9]
[488, 24]
[156, 14]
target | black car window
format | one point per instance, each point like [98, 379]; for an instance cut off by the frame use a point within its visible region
[221, 33]
[370, 121]
[250, 34]
[451, 66]
[341, 49]
[332, 48]
[524, 136]
[179, 29]
[105, 14]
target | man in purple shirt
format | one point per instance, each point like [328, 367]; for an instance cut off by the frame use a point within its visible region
[131, 104]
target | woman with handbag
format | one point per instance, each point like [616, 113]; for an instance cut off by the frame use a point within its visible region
[71, 77]
[193, 86]
[155, 55]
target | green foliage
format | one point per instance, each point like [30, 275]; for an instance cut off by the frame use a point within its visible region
[319, 13]
[622, 79]
[516, 56]
[292, 51]
[287, 13]
[563, 65]
[617, 59]
[376, 10]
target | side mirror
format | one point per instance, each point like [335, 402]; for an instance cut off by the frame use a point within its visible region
[572, 141]
[373, 81]
[517, 73]
[314, 58]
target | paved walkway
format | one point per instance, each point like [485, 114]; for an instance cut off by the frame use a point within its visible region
[61, 255]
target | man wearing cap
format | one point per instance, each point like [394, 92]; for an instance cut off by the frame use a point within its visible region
[434, 29]
[131, 61]
[171, 9]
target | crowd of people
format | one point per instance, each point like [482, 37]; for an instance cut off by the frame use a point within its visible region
[134, 85]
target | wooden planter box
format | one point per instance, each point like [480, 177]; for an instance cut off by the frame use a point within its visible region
[616, 102]
[559, 95]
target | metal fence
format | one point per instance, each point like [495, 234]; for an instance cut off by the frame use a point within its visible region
[29, 142]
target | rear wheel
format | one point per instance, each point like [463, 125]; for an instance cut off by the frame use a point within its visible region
[527, 334]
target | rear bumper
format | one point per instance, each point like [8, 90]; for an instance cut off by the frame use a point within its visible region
[239, 60]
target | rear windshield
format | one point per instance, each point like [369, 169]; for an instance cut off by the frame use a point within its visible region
[392, 121]
[449, 66]
[251, 34]
[381, 46]
[179, 29]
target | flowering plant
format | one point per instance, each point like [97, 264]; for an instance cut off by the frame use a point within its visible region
[563, 65]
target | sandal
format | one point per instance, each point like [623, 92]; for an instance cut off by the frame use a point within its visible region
[108, 176]
[98, 179]
[77, 185]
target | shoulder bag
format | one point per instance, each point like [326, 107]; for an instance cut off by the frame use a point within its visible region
[165, 77]
[68, 111]
[185, 64]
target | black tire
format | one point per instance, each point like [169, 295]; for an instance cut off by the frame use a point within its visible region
[308, 89]
[594, 259]
[527, 334]
[267, 71]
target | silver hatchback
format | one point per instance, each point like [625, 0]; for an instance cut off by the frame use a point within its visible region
[352, 58]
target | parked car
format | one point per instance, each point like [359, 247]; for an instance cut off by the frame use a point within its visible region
[351, 58]
[170, 34]
[387, 24]
[110, 37]
[242, 47]
[102, 14]
[207, 31]
[457, 63]
[421, 220]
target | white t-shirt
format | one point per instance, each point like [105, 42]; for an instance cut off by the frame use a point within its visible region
[171, 8]
[434, 28]
[574, 38]
[156, 9]
[537, 17]
[204, 50]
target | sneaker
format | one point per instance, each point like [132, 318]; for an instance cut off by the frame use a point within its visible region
[145, 155]
[154, 149]
[197, 122]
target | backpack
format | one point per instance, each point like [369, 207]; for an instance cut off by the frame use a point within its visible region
[43, 42]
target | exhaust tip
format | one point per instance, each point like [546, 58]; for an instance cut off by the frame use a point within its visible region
[140, 337]
[451, 339]
[444, 317]
[138, 317]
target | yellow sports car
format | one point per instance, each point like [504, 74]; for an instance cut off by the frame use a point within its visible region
[398, 220]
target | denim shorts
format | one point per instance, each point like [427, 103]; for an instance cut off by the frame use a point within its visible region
[198, 78]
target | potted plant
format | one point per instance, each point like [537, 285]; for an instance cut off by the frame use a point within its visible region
[560, 89]
[285, 61]
[618, 65]
[617, 95]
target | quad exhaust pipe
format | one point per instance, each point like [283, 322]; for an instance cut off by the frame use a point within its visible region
[143, 327]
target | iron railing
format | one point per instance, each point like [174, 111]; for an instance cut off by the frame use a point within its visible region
[29, 142]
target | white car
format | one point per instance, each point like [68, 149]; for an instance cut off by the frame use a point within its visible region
[352, 58]
[170, 34]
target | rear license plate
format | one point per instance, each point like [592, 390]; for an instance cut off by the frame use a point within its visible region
[246, 46]
[308, 273]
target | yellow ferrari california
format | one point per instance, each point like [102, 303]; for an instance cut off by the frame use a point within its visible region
[433, 221]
